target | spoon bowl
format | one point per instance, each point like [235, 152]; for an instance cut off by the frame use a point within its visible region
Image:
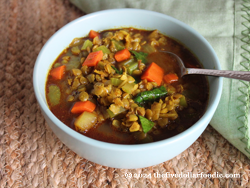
[240, 75]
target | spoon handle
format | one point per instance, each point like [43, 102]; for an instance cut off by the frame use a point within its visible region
[241, 75]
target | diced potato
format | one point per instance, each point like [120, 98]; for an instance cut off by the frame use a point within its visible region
[85, 121]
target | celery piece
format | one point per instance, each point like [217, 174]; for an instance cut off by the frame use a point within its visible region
[118, 45]
[133, 66]
[125, 63]
[146, 124]
[85, 121]
[148, 48]
[73, 63]
[111, 114]
[103, 48]
[115, 81]
[128, 87]
[87, 43]
[183, 101]
[54, 95]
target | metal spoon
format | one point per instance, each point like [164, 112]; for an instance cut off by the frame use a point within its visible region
[241, 75]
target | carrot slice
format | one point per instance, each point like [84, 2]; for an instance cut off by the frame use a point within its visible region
[170, 78]
[122, 55]
[57, 73]
[153, 73]
[82, 106]
[93, 58]
[93, 34]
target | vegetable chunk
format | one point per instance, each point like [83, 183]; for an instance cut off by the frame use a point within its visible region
[57, 73]
[146, 124]
[93, 58]
[86, 44]
[122, 55]
[93, 34]
[150, 95]
[170, 78]
[154, 73]
[54, 95]
[82, 106]
[140, 56]
[85, 121]
[103, 48]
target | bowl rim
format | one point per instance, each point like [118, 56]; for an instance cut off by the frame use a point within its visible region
[126, 147]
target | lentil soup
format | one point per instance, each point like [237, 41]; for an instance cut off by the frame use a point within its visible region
[118, 86]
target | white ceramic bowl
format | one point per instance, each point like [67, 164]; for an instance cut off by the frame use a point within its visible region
[115, 155]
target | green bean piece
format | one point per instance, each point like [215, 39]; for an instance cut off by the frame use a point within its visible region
[150, 95]
[126, 63]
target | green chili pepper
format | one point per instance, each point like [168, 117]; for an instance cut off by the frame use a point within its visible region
[150, 95]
